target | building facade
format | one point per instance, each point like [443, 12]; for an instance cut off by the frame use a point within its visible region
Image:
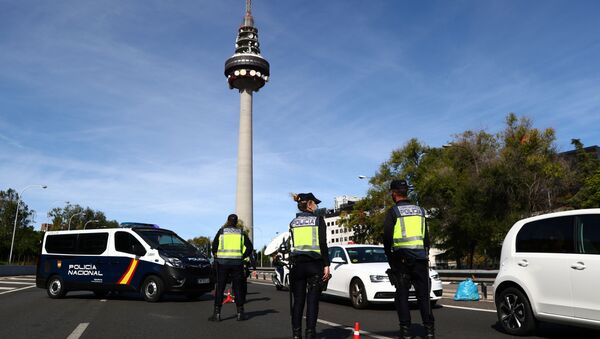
[336, 233]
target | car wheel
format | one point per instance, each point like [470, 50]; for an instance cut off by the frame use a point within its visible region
[358, 294]
[152, 288]
[514, 312]
[100, 293]
[56, 287]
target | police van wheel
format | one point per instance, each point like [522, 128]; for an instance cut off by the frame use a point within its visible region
[56, 287]
[152, 288]
[358, 295]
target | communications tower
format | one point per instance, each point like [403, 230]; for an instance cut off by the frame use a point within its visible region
[247, 71]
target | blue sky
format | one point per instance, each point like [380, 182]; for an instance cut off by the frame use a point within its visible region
[123, 106]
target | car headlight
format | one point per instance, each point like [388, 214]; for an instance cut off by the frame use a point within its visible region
[379, 278]
[173, 262]
[435, 277]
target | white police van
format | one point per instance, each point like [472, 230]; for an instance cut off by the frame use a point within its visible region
[135, 257]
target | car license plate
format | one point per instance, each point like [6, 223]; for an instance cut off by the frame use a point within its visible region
[203, 281]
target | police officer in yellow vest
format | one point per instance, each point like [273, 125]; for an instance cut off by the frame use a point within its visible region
[310, 263]
[406, 244]
[230, 246]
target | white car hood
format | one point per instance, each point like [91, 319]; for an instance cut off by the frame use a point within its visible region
[377, 268]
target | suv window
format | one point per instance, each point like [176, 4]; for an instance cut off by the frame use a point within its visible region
[92, 243]
[589, 231]
[552, 235]
[124, 241]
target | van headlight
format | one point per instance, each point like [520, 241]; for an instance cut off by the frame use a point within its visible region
[435, 277]
[379, 278]
[173, 262]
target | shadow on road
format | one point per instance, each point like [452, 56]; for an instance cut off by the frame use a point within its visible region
[335, 332]
[556, 331]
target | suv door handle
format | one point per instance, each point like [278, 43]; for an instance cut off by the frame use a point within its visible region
[578, 266]
[523, 263]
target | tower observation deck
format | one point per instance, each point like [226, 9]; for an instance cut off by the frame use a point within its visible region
[246, 68]
[247, 71]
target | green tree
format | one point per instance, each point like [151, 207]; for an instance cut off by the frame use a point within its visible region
[473, 188]
[586, 178]
[78, 216]
[26, 238]
[203, 243]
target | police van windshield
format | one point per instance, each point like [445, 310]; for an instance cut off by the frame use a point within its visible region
[164, 240]
[359, 255]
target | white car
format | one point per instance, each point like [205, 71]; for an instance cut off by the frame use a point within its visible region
[358, 273]
[549, 270]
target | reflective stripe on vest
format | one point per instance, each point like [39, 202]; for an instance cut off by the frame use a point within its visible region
[231, 244]
[409, 229]
[305, 236]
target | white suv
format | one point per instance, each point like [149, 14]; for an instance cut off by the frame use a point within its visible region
[549, 270]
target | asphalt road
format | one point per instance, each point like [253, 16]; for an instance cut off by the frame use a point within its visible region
[27, 312]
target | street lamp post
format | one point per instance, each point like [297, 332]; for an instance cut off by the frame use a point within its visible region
[12, 243]
[90, 221]
[71, 218]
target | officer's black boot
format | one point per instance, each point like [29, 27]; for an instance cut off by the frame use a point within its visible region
[430, 331]
[297, 333]
[310, 333]
[405, 332]
[241, 316]
[216, 314]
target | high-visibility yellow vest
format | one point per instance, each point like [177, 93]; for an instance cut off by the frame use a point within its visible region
[305, 236]
[231, 244]
[409, 229]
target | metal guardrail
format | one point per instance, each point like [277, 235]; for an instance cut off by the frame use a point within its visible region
[6, 270]
[482, 276]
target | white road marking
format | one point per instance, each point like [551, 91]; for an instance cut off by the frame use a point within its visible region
[261, 283]
[14, 282]
[6, 288]
[469, 308]
[18, 289]
[19, 278]
[78, 331]
[372, 335]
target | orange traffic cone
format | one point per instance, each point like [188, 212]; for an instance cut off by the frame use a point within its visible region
[229, 298]
[356, 331]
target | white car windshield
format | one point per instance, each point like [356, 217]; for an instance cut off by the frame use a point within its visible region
[360, 255]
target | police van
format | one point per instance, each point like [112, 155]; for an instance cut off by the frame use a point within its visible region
[135, 257]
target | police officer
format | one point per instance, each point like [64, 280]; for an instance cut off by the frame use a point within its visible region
[406, 244]
[310, 263]
[230, 246]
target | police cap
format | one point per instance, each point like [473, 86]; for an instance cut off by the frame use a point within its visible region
[308, 196]
[398, 185]
[232, 220]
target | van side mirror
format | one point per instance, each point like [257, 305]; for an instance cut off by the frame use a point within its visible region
[138, 250]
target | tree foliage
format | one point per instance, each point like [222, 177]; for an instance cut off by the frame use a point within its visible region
[203, 244]
[76, 217]
[475, 187]
[26, 238]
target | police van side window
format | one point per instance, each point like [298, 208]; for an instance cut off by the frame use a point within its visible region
[124, 242]
[552, 235]
[589, 233]
[92, 243]
[64, 243]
